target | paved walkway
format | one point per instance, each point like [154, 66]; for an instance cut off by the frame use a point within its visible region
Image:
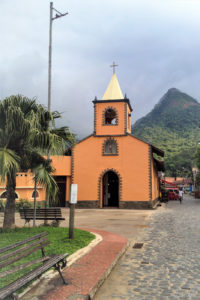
[167, 266]
[86, 274]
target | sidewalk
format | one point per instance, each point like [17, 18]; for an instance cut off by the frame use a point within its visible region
[87, 273]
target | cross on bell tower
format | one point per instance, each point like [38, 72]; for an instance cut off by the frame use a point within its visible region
[113, 66]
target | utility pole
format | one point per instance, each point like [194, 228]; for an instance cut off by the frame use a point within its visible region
[50, 56]
[52, 18]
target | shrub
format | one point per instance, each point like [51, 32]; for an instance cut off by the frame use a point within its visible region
[23, 203]
[2, 205]
[40, 204]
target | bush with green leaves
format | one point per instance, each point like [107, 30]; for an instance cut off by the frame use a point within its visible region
[2, 205]
[23, 203]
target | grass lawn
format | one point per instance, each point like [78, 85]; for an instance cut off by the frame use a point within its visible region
[59, 243]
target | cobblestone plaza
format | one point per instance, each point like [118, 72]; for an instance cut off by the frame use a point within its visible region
[167, 266]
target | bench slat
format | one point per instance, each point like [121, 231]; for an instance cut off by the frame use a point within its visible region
[23, 266]
[24, 254]
[11, 288]
[43, 218]
[41, 210]
[22, 242]
[29, 246]
[41, 214]
[45, 215]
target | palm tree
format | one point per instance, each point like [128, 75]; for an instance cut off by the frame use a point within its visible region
[25, 137]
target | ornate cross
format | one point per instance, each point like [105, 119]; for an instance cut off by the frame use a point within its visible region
[113, 66]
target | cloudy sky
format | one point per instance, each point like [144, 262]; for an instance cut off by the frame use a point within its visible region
[156, 44]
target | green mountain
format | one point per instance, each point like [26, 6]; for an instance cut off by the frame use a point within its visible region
[173, 126]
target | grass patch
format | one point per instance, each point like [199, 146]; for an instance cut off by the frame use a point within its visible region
[59, 243]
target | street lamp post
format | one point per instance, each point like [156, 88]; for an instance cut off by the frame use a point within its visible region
[52, 18]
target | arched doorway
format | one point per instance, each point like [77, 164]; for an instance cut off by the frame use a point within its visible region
[110, 189]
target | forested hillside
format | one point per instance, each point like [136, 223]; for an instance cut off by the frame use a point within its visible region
[173, 126]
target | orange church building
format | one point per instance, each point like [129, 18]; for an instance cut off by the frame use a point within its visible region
[111, 167]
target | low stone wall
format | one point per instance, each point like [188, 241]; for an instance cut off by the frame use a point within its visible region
[86, 204]
[135, 205]
[122, 204]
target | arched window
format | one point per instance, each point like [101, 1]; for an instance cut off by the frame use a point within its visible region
[35, 193]
[110, 117]
[4, 195]
[110, 147]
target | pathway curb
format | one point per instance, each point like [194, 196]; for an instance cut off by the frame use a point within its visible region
[107, 272]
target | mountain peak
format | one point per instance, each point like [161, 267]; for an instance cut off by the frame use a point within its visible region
[173, 126]
[173, 90]
[175, 106]
[174, 98]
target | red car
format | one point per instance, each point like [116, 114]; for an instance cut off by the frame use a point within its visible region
[173, 194]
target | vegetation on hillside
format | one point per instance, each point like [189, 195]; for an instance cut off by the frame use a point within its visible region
[173, 126]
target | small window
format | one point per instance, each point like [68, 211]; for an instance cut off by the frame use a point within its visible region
[110, 147]
[35, 193]
[129, 121]
[110, 117]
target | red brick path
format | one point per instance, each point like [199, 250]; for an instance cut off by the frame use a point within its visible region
[88, 271]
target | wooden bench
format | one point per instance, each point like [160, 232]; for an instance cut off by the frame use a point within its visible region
[52, 213]
[14, 253]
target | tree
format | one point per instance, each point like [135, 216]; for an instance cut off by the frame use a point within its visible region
[25, 137]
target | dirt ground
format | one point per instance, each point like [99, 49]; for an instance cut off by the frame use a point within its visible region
[122, 221]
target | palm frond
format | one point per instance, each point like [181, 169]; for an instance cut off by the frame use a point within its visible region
[65, 133]
[44, 178]
[9, 162]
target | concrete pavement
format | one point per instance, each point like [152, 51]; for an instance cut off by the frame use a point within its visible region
[128, 223]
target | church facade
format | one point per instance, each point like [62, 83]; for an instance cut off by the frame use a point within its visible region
[111, 167]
